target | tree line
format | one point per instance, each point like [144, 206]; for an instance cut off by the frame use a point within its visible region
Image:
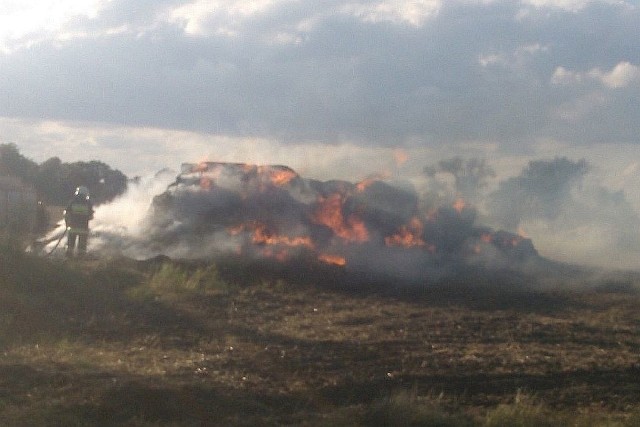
[55, 181]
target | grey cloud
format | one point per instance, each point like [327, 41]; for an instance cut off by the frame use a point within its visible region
[380, 83]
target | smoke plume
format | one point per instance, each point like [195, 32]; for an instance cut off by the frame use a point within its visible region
[568, 213]
[454, 219]
[376, 228]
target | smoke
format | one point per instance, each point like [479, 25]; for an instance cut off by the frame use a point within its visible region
[119, 226]
[376, 229]
[456, 216]
[569, 214]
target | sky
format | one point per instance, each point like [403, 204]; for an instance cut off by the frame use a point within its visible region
[337, 89]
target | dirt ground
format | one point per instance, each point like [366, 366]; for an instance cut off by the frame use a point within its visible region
[275, 352]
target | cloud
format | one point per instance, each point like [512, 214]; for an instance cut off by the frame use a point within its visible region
[568, 5]
[386, 73]
[225, 17]
[414, 13]
[562, 76]
[23, 23]
[622, 75]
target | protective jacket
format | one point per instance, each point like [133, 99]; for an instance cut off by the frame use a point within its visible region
[78, 214]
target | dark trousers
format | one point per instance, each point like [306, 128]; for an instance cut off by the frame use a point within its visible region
[82, 242]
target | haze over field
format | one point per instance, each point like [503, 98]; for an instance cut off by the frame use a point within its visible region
[348, 89]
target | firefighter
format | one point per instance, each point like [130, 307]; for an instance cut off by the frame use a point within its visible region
[77, 215]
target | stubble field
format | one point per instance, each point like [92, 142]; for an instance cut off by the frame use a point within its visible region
[119, 342]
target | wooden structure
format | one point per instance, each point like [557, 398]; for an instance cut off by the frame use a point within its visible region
[18, 206]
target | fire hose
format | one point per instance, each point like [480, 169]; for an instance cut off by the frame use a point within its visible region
[57, 243]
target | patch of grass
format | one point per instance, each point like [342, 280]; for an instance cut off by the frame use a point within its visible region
[405, 408]
[176, 278]
[634, 419]
[36, 294]
[523, 412]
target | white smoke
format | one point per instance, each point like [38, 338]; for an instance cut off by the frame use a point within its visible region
[118, 226]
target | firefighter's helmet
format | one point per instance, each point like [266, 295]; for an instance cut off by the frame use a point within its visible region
[82, 191]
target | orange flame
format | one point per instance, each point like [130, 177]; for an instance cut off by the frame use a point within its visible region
[279, 177]
[282, 177]
[408, 235]
[459, 205]
[248, 168]
[400, 156]
[329, 213]
[516, 241]
[279, 255]
[366, 183]
[262, 235]
[522, 233]
[205, 183]
[332, 259]
[236, 229]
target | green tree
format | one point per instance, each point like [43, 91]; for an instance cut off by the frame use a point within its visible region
[50, 181]
[12, 163]
[103, 182]
[56, 181]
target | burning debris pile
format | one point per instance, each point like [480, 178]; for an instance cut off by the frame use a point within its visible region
[373, 226]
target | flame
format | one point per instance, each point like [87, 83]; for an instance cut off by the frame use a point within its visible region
[200, 167]
[400, 156]
[262, 235]
[279, 255]
[248, 168]
[459, 205]
[408, 235]
[340, 210]
[511, 240]
[332, 259]
[329, 212]
[206, 183]
[236, 229]
[522, 233]
[486, 237]
[282, 177]
[366, 183]
[432, 215]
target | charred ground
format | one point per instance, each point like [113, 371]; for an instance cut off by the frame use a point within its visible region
[164, 342]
